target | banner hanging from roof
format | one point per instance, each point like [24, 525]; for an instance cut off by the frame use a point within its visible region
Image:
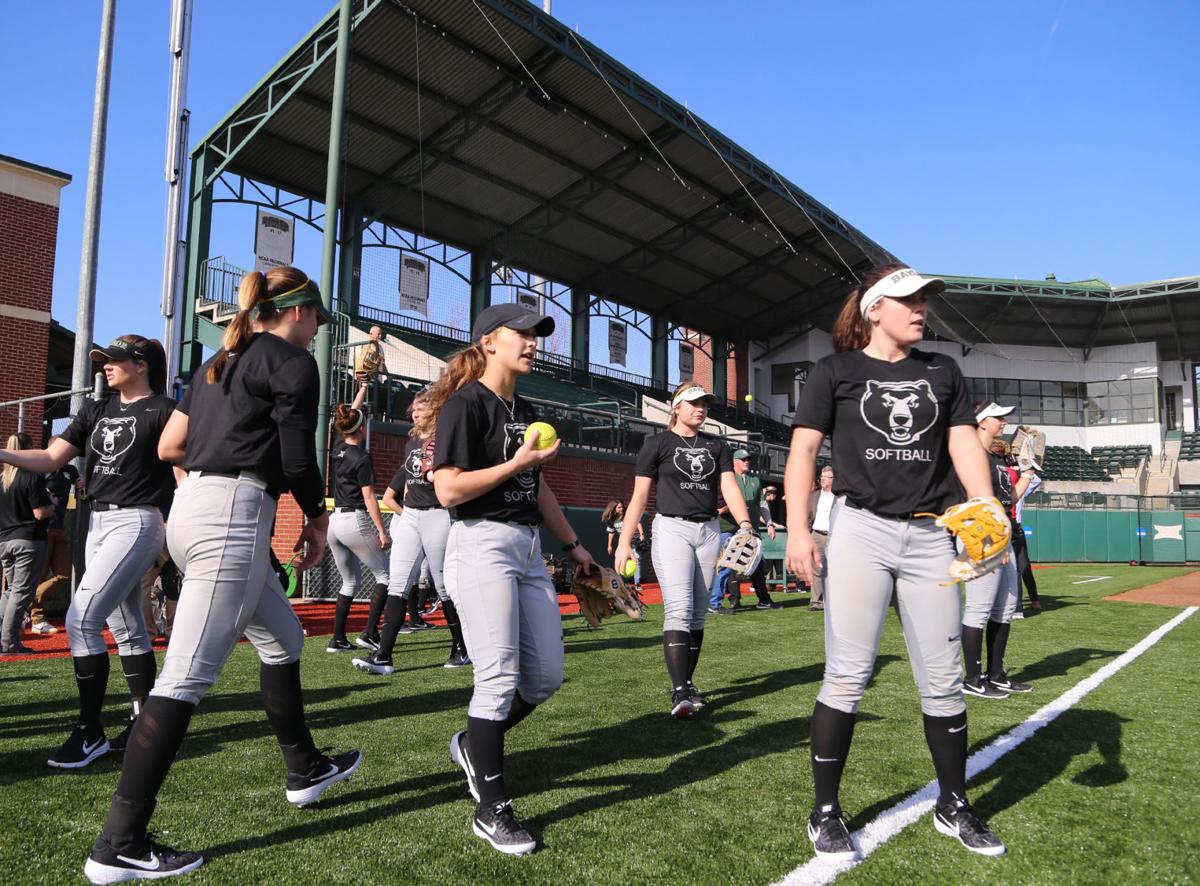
[414, 284]
[618, 340]
[274, 241]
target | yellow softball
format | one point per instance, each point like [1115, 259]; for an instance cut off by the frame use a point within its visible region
[547, 436]
[629, 570]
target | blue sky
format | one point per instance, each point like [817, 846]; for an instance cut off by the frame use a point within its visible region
[967, 137]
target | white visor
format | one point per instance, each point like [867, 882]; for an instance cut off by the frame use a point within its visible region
[992, 410]
[691, 394]
[898, 284]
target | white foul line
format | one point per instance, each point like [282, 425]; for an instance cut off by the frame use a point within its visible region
[1088, 579]
[892, 821]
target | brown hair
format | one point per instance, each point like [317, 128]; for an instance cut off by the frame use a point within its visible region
[610, 511]
[851, 330]
[347, 419]
[423, 429]
[254, 294]
[463, 367]
[15, 442]
[156, 362]
[683, 386]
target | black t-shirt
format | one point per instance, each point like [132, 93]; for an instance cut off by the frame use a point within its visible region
[687, 475]
[27, 491]
[120, 444]
[60, 484]
[260, 417]
[888, 424]
[476, 430]
[352, 470]
[1002, 485]
[415, 476]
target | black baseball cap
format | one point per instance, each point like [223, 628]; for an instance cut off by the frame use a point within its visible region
[512, 315]
[122, 348]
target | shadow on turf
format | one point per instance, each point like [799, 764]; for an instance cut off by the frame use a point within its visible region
[1059, 663]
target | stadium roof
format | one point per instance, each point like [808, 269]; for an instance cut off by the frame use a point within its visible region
[487, 124]
[1084, 315]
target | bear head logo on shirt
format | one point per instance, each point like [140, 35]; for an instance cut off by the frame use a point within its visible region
[420, 462]
[695, 463]
[514, 439]
[901, 410]
[112, 437]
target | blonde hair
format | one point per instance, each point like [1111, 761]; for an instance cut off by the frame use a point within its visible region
[15, 443]
[424, 428]
[463, 367]
[254, 303]
[683, 386]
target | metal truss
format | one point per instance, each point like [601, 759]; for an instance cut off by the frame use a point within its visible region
[231, 187]
[380, 235]
[226, 141]
[637, 320]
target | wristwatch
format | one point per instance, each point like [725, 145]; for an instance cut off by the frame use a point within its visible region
[570, 547]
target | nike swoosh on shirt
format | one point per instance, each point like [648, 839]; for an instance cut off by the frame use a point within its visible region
[152, 865]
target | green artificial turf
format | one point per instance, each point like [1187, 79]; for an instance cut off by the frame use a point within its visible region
[621, 793]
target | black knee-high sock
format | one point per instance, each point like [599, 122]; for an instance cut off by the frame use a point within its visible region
[153, 743]
[455, 626]
[91, 676]
[947, 740]
[831, 731]
[414, 605]
[139, 671]
[378, 599]
[344, 602]
[694, 651]
[997, 642]
[518, 711]
[485, 742]
[972, 642]
[677, 651]
[393, 621]
[283, 700]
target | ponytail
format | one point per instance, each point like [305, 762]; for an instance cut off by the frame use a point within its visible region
[347, 419]
[851, 330]
[15, 443]
[255, 305]
[463, 367]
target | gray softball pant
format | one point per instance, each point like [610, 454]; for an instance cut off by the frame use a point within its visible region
[509, 612]
[352, 540]
[122, 544]
[23, 561]
[869, 557]
[684, 555]
[219, 535]
[418, 541]
[993, 597]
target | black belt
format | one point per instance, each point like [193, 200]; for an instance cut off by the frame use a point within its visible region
[238, 475]
[820, 532]
[526, 524]
[348, 510]
[421, 507]
[101, 506]
[898, 517]
[690, 519]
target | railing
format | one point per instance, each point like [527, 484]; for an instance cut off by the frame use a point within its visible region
[96, 390]
[220, 280]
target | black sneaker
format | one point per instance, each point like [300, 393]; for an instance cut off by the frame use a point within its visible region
[458, 753]
[1008, 684]
[983, 688]
[375, 664]
[499, 826]
[433, 607]
[118, 744]
[769, 605]
[367, 641]
[81, 748]
[458, 659]
[719, 610]
[681, 703]
[698, 701]
[337, 644]
[829, 835]
[149, 861]
[306, 788]
[957, 819]
[420, 626]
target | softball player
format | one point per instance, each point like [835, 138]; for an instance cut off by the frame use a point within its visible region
[25, 509]
[686, 468]
[490, 479]
[356, 531]
[245, 431]
[419, 531]
[900, 428]
[129, 487]
[993, 598]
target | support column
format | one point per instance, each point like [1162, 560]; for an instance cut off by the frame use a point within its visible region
[581, 332]
[199, 227]
[659, 332]
[481, 281]
[350, 261]
[720, 367]
[333, 203]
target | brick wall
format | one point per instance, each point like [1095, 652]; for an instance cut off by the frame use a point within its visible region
[28, 237]
[702, 367]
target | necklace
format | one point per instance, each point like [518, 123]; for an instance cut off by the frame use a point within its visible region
[692, 443]
[509, 409]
